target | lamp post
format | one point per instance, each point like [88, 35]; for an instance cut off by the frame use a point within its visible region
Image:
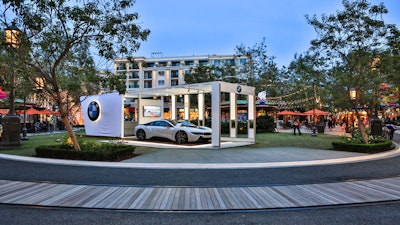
[353, 98]
[24, 129]
[11, 121]
[353, 94]
[314, 125]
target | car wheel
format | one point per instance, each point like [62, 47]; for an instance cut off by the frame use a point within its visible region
[181, 137]
[141, 135]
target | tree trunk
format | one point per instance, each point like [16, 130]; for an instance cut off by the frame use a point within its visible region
[64, 117]
[71, 132]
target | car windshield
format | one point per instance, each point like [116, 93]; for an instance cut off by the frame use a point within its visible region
[187, 124]
[183, 123]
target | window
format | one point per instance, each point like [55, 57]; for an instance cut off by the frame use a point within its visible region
[161, 73]
[162, 63]
[174, 82]
[242, 61]
[149, 64]
[148, 84]
[148, 74]
[175, 63]
[133, 84]
[217, 62]
[134, 75]
[189, 62]
[230, 62]
[161, 82]
[121, 66]
[203, 62]
[174, 73]
[133, 66]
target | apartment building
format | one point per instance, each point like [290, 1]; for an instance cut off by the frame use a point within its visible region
[163, 72]
[144, 73]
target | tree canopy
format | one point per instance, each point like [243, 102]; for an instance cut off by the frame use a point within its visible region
[352, 42]
[59, 36]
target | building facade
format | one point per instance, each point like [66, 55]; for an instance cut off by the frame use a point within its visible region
[162, 72]
[145, 73]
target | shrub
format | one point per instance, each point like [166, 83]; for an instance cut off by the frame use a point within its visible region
[90, 150]
[265, 124]
[374, 147]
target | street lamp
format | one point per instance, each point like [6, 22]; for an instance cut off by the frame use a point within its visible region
[353, 94]
[353, 98]
[11, 121]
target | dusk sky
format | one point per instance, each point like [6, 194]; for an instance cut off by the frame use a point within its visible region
[206, 27]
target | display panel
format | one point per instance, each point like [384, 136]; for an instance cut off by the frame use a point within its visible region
[151, 111]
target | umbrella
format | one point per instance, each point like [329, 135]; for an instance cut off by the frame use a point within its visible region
[46, 111]
[32, 111]
[287, 113]
[317, 112]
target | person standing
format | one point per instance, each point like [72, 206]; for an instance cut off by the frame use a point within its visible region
[296, 125]
[37, 127]
[50, 124]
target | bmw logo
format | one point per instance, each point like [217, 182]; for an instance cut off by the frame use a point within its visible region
[93, 111]
[239, 89]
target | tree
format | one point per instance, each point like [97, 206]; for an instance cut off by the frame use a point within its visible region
[306, 74]
[260, 70]
[59, 36]
[352, 40]
[201, 73]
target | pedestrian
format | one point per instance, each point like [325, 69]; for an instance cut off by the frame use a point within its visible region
[391, 125]
[296, 125]
[37, 127]
[330, 123]
[50, 124]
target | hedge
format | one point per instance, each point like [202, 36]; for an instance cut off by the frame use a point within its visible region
[364, 148]
[107, 152]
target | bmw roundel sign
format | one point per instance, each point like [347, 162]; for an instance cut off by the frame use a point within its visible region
[93, 111]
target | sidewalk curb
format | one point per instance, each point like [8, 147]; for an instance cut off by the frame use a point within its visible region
[377, 156]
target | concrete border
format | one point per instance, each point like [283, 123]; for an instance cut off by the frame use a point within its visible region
[383, 155]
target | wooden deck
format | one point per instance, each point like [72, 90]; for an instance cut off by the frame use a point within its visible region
[198, 198]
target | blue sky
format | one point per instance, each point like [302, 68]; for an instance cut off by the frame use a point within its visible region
[202, 27]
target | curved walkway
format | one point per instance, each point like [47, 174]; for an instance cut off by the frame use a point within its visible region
[198, 199]
[181, 198]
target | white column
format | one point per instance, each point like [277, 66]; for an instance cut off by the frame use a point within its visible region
[186, 105]
[140, 109]
[233, 115]
[216, 115]
[251, 117]
[162, 107]
[200, 101]
[173, 107]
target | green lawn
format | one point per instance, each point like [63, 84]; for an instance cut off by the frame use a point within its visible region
[322, 141]
[263, 140]
[28, 146]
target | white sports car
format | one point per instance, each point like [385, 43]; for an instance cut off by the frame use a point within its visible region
[178, 131]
